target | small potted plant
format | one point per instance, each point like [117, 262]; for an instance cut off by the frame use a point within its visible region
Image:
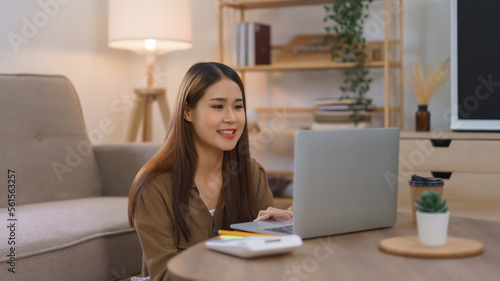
[432, 219]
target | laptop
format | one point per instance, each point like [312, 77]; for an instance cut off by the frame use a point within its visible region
[343, 181]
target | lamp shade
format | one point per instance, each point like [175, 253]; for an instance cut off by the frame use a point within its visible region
[150, 26]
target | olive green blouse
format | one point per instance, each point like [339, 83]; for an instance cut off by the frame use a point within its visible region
[155, 221]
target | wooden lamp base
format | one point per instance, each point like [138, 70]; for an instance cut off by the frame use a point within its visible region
[144, 97]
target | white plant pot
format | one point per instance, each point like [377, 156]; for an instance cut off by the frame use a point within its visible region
[432, 228]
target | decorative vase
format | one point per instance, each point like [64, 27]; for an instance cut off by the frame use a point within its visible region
[423, 118]
[432, 228]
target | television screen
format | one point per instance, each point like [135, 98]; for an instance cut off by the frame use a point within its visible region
[475, 77]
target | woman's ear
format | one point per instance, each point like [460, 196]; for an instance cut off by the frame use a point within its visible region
[187, 114]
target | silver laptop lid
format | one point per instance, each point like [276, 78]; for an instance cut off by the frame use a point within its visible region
[345, 180]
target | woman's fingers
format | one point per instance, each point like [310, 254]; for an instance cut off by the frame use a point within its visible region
[274, 213]
[262, 217]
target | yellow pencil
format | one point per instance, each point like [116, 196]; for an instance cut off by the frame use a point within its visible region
[240, 233]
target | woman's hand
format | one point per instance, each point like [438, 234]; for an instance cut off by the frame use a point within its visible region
[274, 213]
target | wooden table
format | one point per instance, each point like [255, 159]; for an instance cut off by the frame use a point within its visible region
[352, 256]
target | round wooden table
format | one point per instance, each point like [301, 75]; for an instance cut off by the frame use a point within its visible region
[353, 256]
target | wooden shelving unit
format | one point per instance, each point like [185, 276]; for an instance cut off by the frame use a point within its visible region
[393, 59]
[311, 65]
[266, 4]
[308, 109]
[392, 62]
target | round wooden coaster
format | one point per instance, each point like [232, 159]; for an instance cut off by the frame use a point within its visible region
[409, 246]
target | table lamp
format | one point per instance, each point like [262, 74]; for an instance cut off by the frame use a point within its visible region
[150, 28]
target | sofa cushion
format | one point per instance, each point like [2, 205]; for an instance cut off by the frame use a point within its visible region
[105, 258]
[119, 164]
[47, 227]
[44, 140]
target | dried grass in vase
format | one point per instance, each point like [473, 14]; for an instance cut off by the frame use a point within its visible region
[425, 87]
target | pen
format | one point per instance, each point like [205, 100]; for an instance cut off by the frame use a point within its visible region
[240, 233]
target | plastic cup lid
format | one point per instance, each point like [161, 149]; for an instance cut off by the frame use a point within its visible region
[423, 181]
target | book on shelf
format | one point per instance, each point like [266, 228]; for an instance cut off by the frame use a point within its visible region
[340, 116]
[235, 44]
[334, 101]
[342, 104]
[242, 44]
[251, 44]
[343, 107]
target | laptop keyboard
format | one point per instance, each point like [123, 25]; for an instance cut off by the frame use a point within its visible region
[288, 229]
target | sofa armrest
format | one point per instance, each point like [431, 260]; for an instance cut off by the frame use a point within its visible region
[119, 164]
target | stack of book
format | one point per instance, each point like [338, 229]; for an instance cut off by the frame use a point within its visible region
[334, 114]
[250, 44]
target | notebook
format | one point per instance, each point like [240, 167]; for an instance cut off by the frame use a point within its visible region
[343, 181]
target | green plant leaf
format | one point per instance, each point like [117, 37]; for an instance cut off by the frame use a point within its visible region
[347, 18]
[430, 201]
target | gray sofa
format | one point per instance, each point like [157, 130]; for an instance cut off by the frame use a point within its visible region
[63, 201]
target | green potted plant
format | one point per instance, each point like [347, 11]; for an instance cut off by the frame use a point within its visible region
[432, 219]
[349, 44]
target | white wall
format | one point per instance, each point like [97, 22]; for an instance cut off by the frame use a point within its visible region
[69, 37]
[427, 33]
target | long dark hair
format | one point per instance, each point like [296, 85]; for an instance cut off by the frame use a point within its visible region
[178, 156]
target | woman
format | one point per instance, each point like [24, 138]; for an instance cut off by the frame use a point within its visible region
[202, 179]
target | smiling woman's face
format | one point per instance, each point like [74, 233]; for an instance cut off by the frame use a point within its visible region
[218, 118]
